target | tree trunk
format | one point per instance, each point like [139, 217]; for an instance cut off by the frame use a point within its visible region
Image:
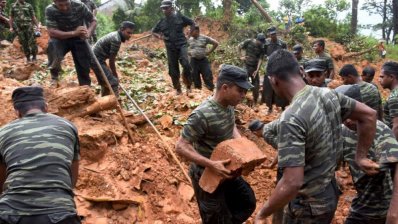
[383, 25]
[227, 5]
[395, 20]
[262, 11]
[354, 17]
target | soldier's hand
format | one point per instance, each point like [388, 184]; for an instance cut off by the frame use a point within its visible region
[219, 168]
[82, 32]
[368, 166]
[273, 163]
[12, 30]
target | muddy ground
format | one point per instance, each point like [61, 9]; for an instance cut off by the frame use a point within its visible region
[138, 182]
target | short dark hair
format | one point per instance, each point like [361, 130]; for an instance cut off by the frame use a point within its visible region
[320, 43]
[390, 68]
[282, 64]
[24, 107]
[196, 27]
[127, 24]
[369, 71]
[221, 82]
[348, 69]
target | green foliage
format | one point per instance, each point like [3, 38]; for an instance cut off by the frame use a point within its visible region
[392, 52]
[147, 16]
[319, 22]
[104, 25]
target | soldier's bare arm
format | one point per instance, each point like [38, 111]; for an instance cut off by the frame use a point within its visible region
[236, 133]
[112, 65]
[3, 175]
[75, 172]
[392, 215]
[366, 129]
[58, 34]
[286, 189]
[91, 28]
[185, 149]
[395, 126]
[214, 44]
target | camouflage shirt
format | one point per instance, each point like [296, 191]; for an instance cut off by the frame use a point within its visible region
[309, 135]
[270, 133]
[370, 96]
[208, 125]
[172, 28]
[391, 107]
[373, 192]
[108, 45]
[254, 52]
[270, 46]
[90, 5]
[22, 14]
[70, 20]
[197, 46]
[3, 15]
[38, 151]
[327, 58]
[302, 61]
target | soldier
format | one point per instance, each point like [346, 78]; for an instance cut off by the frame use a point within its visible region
[308, 139]
[93, 9]
[319, 48]
[65, 24]
[198, 52]
[4, 21]
[208, 125]
[368, 73]
[272, 44]
[107, 48]
[298, 53]
[370, 94]
[315, 73]
[23, 15]
[171, 30]
[39, 164]
[254, 55]
[389, 80]
[370, 205]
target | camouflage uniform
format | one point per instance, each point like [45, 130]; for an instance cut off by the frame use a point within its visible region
[22, 15]
[269, 97]
[374, 193]
[3, 24]
[234, 200]
[328, 59]
[302, 61]
[172, 29]
[391, 107]
[253, 55]
[106, 47]
[199, 62]
[57, 48]
[309, 135]
[91, 6]
[38, 151]
[371, 96]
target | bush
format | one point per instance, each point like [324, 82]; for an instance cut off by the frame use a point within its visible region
[104, 25]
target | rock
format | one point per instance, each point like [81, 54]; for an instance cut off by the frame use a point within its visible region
[101, 221]
[244, 155]
[166, 121]
[119, 206]
[183, 218]
[186, 191]
[158, 222]
[125, 175]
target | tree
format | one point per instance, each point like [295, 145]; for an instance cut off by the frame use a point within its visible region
[292, 7]
[395, 20]
[335, 6]
[354, 16]
[383, 9]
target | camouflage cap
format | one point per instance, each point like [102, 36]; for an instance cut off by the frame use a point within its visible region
[271, 30]
[315, 65]
[235, 74]
[352, 91]
[297, 48]
[27, 93]
[256, 125]
[261, 37]
[166, 3]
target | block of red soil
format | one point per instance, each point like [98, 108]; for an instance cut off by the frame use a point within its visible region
[244, 155]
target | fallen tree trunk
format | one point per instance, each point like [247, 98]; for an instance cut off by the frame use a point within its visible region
[262, 11]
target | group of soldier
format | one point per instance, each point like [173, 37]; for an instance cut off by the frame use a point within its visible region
[319, 130]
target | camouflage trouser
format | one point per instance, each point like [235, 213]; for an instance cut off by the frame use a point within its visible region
[56, 51]
[254, 80]
[202, 66]
[58, 218]
[354, 218]
[175, 55]
[232, 203]
[108, 73]
[313, 211]
[26, 36]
